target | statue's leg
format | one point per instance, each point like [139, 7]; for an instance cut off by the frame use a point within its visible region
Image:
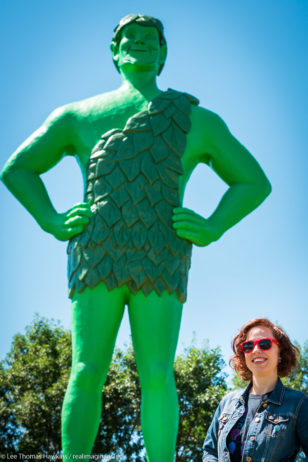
[96, 317]
[155, 324]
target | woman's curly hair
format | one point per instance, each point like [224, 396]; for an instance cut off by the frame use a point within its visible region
[288, 351]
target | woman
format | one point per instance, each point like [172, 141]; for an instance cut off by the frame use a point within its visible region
[266, 422]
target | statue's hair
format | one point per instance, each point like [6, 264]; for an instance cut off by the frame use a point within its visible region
[142, 20]
[287, 351]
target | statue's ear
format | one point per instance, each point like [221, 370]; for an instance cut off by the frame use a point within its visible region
[162, 58]
[114, 50]
[163, 54]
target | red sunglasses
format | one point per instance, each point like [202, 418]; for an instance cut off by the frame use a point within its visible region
[263, 344]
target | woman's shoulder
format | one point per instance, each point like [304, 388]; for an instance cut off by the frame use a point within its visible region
[296, 394]
[232, 396]
[229, 403]
[296, 400]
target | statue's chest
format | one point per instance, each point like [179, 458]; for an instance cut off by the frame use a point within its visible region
[144, 158]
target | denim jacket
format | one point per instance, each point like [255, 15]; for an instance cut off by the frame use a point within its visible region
[276, 433]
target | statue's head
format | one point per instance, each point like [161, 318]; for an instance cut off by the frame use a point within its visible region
[128, 29]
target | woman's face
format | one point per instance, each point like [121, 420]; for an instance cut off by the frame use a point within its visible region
[262, 363]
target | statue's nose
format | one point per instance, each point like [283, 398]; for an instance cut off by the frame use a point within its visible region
[139, 38]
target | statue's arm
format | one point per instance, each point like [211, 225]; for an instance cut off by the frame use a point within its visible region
[248, 185]
[38, 154]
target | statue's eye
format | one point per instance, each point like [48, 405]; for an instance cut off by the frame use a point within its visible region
[128, 33]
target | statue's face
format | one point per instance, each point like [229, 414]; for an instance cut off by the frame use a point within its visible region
[139, 49]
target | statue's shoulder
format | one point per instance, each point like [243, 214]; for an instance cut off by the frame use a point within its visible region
[207, 127]
[206, 116]
[93, 104]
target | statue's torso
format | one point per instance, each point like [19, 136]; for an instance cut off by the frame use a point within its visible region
[132, 182]
[102, 113]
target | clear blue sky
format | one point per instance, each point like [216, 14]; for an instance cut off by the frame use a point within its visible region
[247, 61]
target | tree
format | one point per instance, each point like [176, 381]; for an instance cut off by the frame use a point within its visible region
[33, 379]
[298, 379]
[8, 424]
[201, 385]
[119, 434]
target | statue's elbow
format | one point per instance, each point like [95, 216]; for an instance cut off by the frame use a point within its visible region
[265, 189]
[7, 174]
[4, 175]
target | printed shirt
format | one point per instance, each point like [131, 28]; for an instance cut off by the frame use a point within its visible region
[237, 436]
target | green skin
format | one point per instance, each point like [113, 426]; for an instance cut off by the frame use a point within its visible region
[97, 313]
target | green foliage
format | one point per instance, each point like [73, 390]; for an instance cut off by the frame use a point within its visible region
[238, 382]
[33, 379]
[8, 424]
[119, 432]
[201, 385]
[298, 379]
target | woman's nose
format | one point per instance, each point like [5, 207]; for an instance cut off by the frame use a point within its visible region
[256, 347]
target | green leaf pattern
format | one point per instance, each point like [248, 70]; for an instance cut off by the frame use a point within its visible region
[133, 186]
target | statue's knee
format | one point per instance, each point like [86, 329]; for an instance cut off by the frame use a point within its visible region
[87, 376]
[157, 377]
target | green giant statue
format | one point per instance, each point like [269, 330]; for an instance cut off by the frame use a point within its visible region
[130, 241]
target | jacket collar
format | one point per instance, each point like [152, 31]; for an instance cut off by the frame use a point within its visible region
[275, 397]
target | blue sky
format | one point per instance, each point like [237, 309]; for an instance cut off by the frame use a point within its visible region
[245, 60]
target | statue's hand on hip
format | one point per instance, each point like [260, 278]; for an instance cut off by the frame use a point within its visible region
[66, 225]
[193, 227]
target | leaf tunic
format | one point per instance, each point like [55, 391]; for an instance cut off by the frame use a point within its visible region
[133, 186]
